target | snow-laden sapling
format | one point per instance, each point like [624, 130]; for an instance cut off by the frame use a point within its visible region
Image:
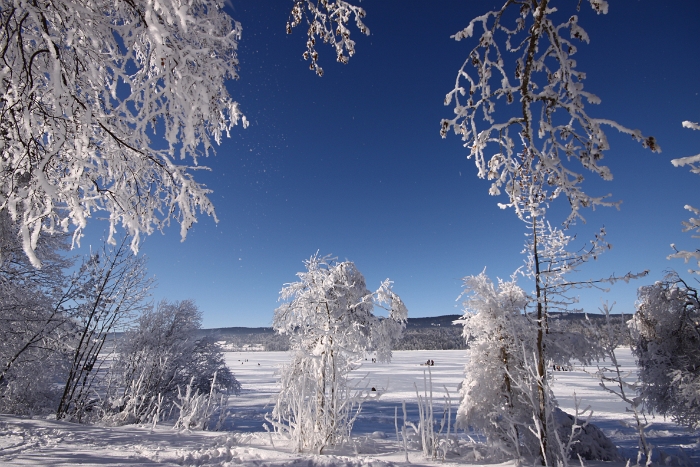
[502, 390]
[495, 329]
[329, 317]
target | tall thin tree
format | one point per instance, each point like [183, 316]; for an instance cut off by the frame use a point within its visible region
[534, 142]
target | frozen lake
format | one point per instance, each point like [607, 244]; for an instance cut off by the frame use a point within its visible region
[257, 372]
[31, 442]
[398, 380]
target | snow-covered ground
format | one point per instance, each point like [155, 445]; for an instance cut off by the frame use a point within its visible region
[50, 443]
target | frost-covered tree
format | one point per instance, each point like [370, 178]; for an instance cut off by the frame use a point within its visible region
[550, 251]
[526, 146]
[524, 60]
[34, 304]
[109, 106]
[496, 330]
[692, 224]
[666, 334]
[500, 394]
[328, 315]
[160, 358]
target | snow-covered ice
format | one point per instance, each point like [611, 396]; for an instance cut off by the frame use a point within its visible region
[39, 442]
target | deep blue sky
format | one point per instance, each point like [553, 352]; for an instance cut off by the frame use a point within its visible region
[352, 164]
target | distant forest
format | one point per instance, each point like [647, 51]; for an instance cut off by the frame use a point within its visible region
[433, 333]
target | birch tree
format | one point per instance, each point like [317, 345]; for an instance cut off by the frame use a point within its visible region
[522, 66]
[328, 315]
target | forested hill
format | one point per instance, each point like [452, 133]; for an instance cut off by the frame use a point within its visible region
[436, 332]
[431, 333]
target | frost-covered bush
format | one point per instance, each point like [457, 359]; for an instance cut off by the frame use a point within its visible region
[328, 315]
[493, 398]
[34, 385]
[35, 315]
[196, 408]
[666, 332]
[160, 359]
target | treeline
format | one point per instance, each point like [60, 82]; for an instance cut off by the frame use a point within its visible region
[433, 333]
[256, 339]
[593, 326]
[442, 338]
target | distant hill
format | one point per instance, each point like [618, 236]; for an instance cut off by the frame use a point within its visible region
[431, 333]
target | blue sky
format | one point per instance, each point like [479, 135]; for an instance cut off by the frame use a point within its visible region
[352, 164]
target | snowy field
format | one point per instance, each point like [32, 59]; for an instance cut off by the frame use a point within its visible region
[33, 442]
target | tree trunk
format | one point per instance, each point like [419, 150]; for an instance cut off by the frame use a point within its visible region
[541, 375]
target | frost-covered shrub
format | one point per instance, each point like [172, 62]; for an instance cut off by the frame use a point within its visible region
[35, 312]
[666, 332]
[329, 317]
[159, 359]
[493, 398]
[33, 386]
[196, 408]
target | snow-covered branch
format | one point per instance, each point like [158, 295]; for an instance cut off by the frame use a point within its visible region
[541, 76]
[99, 103]
[692, 224]
[328, 21]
